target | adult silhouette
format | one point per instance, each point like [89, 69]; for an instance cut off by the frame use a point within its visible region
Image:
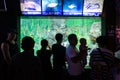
[74, 59]
[58, 50]
[44, 55]
[24, 65]
[101, 60]
[9, 48]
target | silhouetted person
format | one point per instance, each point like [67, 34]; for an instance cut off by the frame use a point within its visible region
[83, 51]
[58, 50]
[45, 55]
[74, 59]
[101, 60]
[1, 40]
[24, 65]
[9, 48]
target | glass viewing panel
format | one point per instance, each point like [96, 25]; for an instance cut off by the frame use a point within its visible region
[46, 28]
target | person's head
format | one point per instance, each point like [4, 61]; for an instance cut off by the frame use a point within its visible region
[27, 43]
[44, 43]
[72, 38]
[83, 41]
[12, 34]
[59, 37]
[102, 41]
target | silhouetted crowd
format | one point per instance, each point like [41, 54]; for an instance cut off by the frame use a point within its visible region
[68, 63]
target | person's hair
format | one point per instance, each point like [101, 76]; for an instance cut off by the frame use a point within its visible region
[82, 39]
[28, 43]
[13, 31]
[71, 37]
[102, 40]
[44, 42]
[58, 36]
[11, 36]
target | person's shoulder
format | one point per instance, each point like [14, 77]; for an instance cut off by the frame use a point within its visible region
[39, 52]
[49, 52]
[4, 44]
[17, 56]
[35, 59]
[94, 51]
[63, 46]
[54, 45]
[107, 51]
[68, 47]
